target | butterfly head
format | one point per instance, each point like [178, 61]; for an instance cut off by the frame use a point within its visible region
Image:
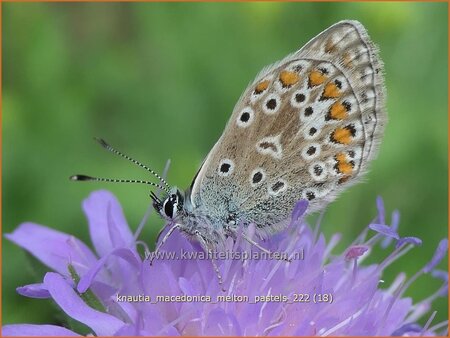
[170, 207]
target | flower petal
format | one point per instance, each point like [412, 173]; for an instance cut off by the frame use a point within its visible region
[380, 208]
[107, 225]
[440, 252]
[407, 328]
[317, 271]
[33, 291]
[395, 220]
[443, 291]
[53, 248]
[68, 300]
[124, 253]
[299, 209]
[32, 330]
[355, 251]
[131, 330]
[410, 240]
[441, 274]
[384, 230]
[220, 323]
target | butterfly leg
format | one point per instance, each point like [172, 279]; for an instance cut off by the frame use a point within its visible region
[206, 247]
[171, 230]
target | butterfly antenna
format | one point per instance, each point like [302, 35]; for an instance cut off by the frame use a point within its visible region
[115, 180]
[105, 145]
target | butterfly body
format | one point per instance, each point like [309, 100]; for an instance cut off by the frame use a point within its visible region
[305, 128]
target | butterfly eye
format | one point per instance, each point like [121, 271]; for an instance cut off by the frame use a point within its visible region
[170, 206]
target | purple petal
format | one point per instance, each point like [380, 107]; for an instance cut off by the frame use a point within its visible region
[410, 327]
[438, 255]
[124, 253]
[220, 323]
[53, 248]
[131, 330]
[408, 240]
[31, 330]
[33, 291]
[380, 207]
[299, 209]
[441, 274]
[68, 300]
[355, 251]
[384, 230]
[358, 308]
[443, 291]
[395, 220]
[107, 225]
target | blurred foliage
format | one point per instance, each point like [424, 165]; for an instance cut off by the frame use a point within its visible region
[159, 80]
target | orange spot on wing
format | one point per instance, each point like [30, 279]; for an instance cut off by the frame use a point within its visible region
[338, 111]
[331, 91]
[341, 135]
[343, 166]
[262, 86]
[289, 78]
[341, 157]
[316, 78]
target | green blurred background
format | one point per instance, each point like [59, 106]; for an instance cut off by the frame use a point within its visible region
[159, 81]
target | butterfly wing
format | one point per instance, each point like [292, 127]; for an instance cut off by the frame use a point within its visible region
[306, 127]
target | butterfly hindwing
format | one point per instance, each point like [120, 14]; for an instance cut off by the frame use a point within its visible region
[306, 127]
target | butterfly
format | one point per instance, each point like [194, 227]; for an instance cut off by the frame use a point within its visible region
[305, 128]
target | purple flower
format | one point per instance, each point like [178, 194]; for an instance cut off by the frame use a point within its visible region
[115, 291]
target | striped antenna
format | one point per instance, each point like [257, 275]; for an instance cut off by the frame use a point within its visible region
[114, 180]
[105, 145]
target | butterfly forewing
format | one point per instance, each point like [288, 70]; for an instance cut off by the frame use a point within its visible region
[306, 128]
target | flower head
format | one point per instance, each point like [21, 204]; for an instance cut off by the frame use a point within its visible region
[115, 291]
